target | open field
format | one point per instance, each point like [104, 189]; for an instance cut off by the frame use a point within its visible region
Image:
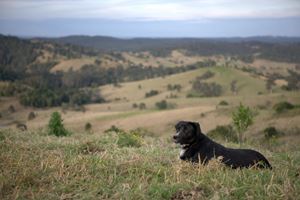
[246, 84]
[119, 110]
[74, 64]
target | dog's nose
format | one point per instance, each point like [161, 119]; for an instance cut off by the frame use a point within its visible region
[175, 137]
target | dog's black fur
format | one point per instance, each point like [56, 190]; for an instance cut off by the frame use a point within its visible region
[196, 145]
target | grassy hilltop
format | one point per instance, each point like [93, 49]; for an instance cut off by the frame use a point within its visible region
[83, 166]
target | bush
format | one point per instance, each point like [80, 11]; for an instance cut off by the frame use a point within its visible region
[206, 75]
[56, 127]
[131, 139]
[226, 133]
[172, 96]
[21, 126]
[142, 106]
[162, 105]
[113, 128]
[151, 93]
[11, 109]
[31, 116]
[207, 89]
[88, 126]
[272, 132]
[134, 105]
[10, 89]
[283, 106]
[174, 87]
[242, 118]
[223, 103]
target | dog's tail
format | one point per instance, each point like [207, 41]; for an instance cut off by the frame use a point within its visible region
[263, 162]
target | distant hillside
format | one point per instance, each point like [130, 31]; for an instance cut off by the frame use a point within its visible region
[283, 49]
[45, 73]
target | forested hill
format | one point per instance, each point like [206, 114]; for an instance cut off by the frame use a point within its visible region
[27, 65]
[284, 49]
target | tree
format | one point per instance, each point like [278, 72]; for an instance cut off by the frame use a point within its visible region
[233, 87]
[88, 127]
[269, 84]
[55, 126]
[293, 80]
[242, 119]
[207, 89]
[142, 106]
[31, 116]
[161, 105]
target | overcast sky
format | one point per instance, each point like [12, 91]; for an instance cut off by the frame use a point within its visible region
[150, 18]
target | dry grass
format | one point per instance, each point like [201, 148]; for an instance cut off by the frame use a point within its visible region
[75, 64]
[131, 92]
[120, 113]
[268, 66]
[36, 166]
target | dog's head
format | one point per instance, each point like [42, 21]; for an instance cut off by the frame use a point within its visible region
[187, 132]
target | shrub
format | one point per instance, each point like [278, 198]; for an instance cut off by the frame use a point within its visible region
[162, 105]
[56, 127]
[142, 106]
[283, 106]
[172, 96]
[10, 89]
[226, 133]
[242, 119]
[207, 89]
[11, 109]
[206, 75]
[271, 132]
[171, 87]
[21, 126]
[223, 103]
[88, 126]
[131, 139]
[134, 105]
[31, 116]
[233, 87]
[293, 80]
[151, 93]
[113, 128]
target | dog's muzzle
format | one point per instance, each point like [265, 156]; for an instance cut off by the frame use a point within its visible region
[176, 137]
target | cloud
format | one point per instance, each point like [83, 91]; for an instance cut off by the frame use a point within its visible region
[147, 10]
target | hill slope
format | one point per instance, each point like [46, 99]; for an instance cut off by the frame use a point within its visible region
[88, 167]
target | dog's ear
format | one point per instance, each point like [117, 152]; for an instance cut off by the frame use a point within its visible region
[196, 125]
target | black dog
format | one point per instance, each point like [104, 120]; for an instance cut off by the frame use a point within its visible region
[196, 145]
